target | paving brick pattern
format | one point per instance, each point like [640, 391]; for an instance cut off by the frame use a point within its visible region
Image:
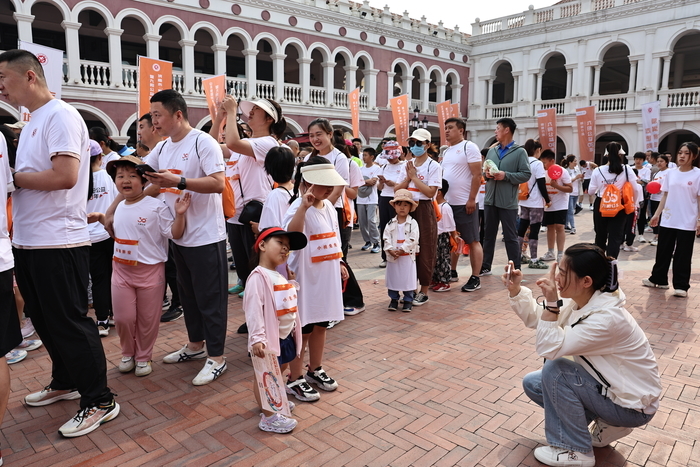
[440, 386]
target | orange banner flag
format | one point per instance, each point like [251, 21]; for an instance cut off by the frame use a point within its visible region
[154, 75]
[444, 111]
[399, 109]
[455, 110]
[547, 122]
[585, 121]
[215, 90]
[354, 104]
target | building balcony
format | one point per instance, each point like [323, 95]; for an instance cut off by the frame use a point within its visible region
[679, 98]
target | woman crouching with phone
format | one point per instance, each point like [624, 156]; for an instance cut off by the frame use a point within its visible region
[612, 383]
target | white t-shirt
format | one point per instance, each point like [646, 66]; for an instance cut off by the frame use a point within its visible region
[340, 161]
[430, 173]
[112, 156]
[7, 260]
[644, 173]
[447, 221]
[256, 183]
[232, 176]
[455, 169]
[59, 217]
[286, 320]
[660, 175]
[395, 173]
[602, 176]
[141, 232]
[587, 172]
[371, 173]
[103, 193]
[681, 209]
[274, 208]
[205, 217]
[535, 200]
[572, 173]
[559, 199]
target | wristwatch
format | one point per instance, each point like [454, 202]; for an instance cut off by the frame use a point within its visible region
[554, 307]
[183, 184]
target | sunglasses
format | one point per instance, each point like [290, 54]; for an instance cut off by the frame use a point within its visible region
[415, 143]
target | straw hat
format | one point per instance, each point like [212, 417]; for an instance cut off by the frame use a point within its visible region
[264, 104]
[322, 174]
[111, 165]
[404, 195]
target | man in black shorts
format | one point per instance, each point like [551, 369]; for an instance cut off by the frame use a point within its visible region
[556, 210]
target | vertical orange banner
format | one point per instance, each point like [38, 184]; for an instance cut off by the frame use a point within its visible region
[444, 111]
[399, 109]
[154, 75]
[547, 121]
[455, 110]
[354, 104]
[585, 121]
[215, 90]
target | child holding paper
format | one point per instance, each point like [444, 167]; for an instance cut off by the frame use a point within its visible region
[270, 305]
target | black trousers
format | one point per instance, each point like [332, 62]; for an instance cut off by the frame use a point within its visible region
[352, 296]
[241, 239]
[642, 221]
[171, 277]
[202, 276]
[629, 232]
[10, 334]
[386, 213]
[609, 231]
[345, 233]
[676, 244]
[508, 219]
[53, 283]
[101, 273]
[653, 206]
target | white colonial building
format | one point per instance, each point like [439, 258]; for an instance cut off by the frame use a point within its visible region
[306, 54]
[613, 54]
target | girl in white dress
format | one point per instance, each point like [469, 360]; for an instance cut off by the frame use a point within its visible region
[319, 271]
[401, 237]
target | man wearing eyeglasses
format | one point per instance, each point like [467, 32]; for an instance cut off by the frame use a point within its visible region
[461, 166]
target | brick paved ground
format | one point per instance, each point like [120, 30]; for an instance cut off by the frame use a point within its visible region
[439, 386]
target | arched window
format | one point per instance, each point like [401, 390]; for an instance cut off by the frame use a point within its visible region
[615, 72]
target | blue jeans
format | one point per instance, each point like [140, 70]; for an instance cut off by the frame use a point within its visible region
[408, 295]
[571, 401]
[572, 209]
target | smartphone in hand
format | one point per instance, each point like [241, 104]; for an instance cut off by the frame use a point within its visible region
[143, 168]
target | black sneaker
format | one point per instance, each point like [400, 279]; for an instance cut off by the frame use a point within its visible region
[171, 315]
[407, 307]
[474, 283]
[393, 305]
[243, 329]
[578, 209]
[484, 272]
[454, 277]
[320, 379]
[302, 391]
[421, 299]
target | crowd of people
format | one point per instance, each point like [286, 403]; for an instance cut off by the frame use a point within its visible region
[160, 217]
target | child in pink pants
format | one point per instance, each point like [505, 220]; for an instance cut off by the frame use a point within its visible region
[142, 227]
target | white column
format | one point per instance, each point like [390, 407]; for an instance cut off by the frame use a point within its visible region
[152, 41]
[188, 64]
[304, 78]
[278, 75]
[407, 85]
[371, 87]
[251, 71]
[390, 75]
[596, 80]
[489, 90]
[456, 93]
[648, 82]
[581, 69]
[666, 72]
[425, 93]
[350, 77]
[219, 58]
[329, 81]
[24, 26]
[115, 56]
[539, 76]
[569, 80]
[72, 51]
[516, 88]
[633, 77]
[440, 94]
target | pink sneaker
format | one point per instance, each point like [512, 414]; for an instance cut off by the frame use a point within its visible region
[28, 328]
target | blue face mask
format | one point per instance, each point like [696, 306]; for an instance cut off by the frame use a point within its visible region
[417, 150]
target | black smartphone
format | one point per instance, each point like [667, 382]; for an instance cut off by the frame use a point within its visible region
[143, 168]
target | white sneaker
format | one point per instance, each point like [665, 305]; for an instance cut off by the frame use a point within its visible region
[641, 239]
[28, 328]
[680, 293]
[89, 419]
[48, 396]
[648, 230]
[210, 372]
[127, 364]
[184, 355]
[630, 248]
[558, 457]
[549, 256]
[654, 242]
[603, 434]
[103, 330]
[143, 368]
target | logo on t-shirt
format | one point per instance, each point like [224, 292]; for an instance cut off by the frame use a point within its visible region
[141, 221]
[185, 156]
[690, 183]
[34, 132]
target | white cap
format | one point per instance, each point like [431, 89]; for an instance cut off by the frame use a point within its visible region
[264, 104]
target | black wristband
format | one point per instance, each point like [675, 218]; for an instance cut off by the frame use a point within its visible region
[183, 184]
[552, 309]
